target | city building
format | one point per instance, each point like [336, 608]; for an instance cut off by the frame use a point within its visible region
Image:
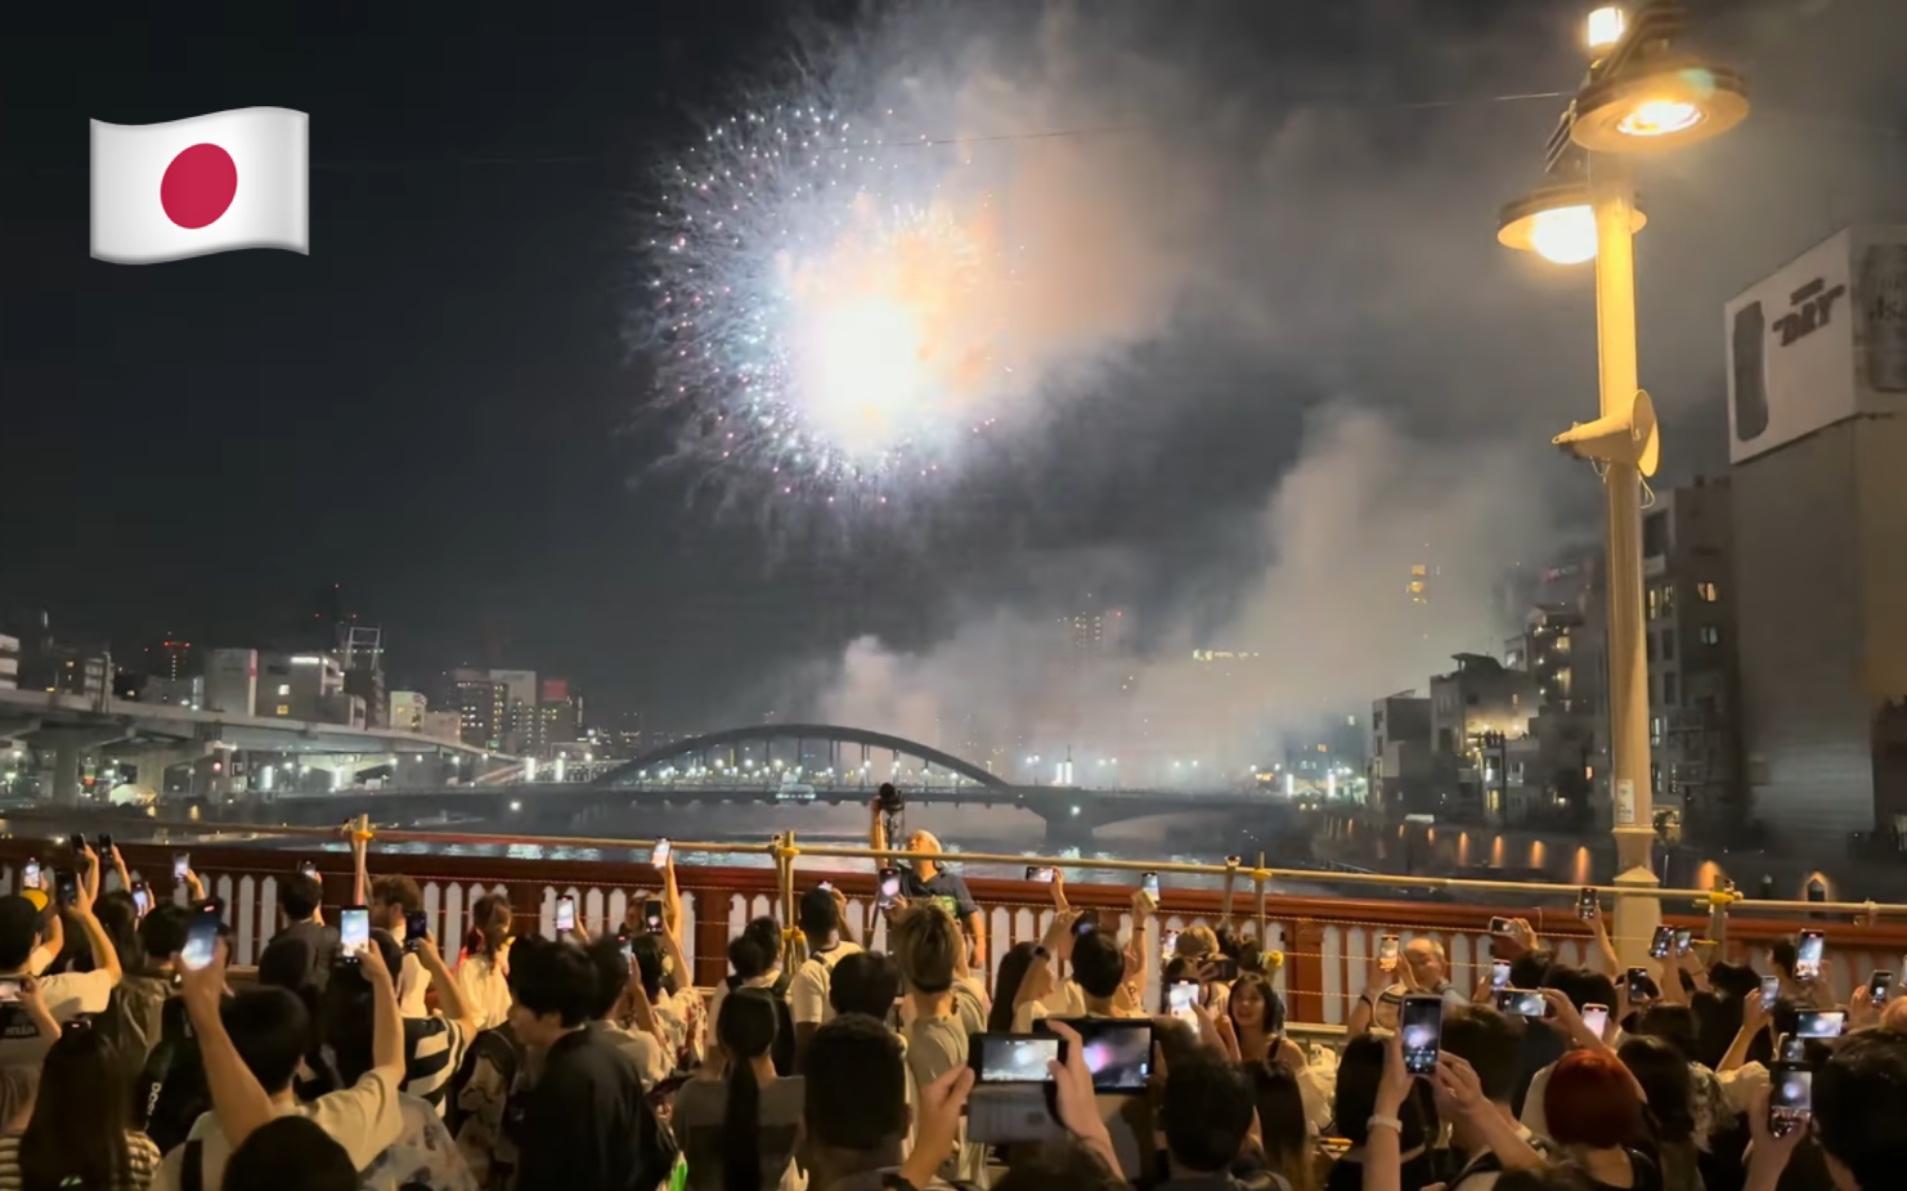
[361, 653]
[1476, 710]
[1817, 388]
[1402, 766]
[520, 722]
[559, 715]
[171, 658]
[442, 725]
[483, 708]
[231, 681]
[9, 662]
[305, 686]
[407, 710]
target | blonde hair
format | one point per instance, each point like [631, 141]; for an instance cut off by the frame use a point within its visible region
[1196, 942]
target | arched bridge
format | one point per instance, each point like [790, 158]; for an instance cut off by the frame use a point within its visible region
[726, 756]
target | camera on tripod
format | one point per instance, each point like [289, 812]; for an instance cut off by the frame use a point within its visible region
[889, 799]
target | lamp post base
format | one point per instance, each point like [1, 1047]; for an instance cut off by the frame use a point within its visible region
[1638, 907]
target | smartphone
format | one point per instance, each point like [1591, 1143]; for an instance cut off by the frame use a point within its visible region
[1586, 905]
[65, 886]
[1012, 1058]
[416, 929]
[1038, 875]
[9, 990]
[1790, 1098]
[1684, 939]
[202, 936]
[1087, 922]
[1169, 943]
[1180, 997]
[1150, 883]
[30, 873]
[1521, 1002]
[1596, 1017]
[1820, 1023]
[1807, 954]
[1770, 992]
[77, 841]
[565, 914]
[1387, 954]
[652, 916]
[660, 857]
[1879, 985]
[1420, 1021]
[827, 885]
[1499, 974]
[1642, 985]
[309, 868]
[354, 933]
[1790, 1049]
[1660, 944]
[141, 899]
[1118, 1052]
[105, 844]
[890, 887]
[1501, 926]
[181, 865]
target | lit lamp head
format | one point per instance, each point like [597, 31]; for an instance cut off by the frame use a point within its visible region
[1656, 106]
[1556, 223]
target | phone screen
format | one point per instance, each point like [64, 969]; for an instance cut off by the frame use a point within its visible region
[1770, 991]
[1596, 1017]
[1500, 926]
[1169, 944]
[354, 933]
[105, 844]
[1879, 984]
[1387, 954]
[1660, 944]
[1038, 875]
[416, 929]
[1820, 1023]
[652, 916]
[1420, 1021]
[1807, 954]
[1180, 997]
[1013, 1058]
[1642, 985]
[660, 856]
[30, 875]
[1586, 906]
[1521, 1002]
[1150, 883]
[141, 901]
[181, 864]
[201, 937]
[565, 913]
[1087, 923]
[65, 886]
[1499, 974]
[1118, 1052]
[9, 990]
[1790, 1098]
[1684, 939]
[890, 887]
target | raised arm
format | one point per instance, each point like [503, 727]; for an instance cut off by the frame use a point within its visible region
[105, 955]
[387, 1028]
[239, 1102]
[450, 993]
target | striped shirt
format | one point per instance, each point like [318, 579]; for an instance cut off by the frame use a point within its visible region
[142, 1160]
[433, 1050]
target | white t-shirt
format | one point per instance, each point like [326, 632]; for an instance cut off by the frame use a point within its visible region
[67, 995]
[364, 1118]
[808, 991]
[412, 983]
[486, 990]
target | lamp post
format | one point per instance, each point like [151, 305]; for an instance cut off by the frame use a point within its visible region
[1640, 97]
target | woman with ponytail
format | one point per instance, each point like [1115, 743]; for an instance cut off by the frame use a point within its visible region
[737, 1121]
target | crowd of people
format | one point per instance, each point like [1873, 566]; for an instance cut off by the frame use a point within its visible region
[521, 1063]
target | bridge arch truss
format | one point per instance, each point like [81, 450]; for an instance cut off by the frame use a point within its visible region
[825, 756]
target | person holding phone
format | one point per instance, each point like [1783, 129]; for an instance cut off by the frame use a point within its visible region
[392, 899]
[823, 918]
[66, 994]
[925, 880]
[304, 942]
[1424, 969]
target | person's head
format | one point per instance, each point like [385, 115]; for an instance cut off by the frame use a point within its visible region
[1360, 1070]
[647, 952]
[392, 898]
[750, 954]
[1011, 974]
[270, 1029]
[820, 915]
[927, 946]
[1734, 980]
[1784, 956]
[1427, 962]
[490, 918]
[860, 1111]
[1590, 1102]
[746, 1030]
[612, 975]
[1281, 1119]
[1196, 942]
[1063, 1165]
[1490, 1042]
[1673, 1024]
[1534, 969]
[866, 982]
[1667, 1086]
[78, 1128]
[19, 931]
[552, 989]
[118, 916]
[1255, 1005]
[291, 1153]
[162, 932]
[923, 840]
[300, 895]
[1205, 1113]
[1860, 1100]
[1098, 964]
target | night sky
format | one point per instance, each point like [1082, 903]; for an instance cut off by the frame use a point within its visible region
[437, 408]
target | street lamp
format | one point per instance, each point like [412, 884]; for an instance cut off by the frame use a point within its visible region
[1640, 97]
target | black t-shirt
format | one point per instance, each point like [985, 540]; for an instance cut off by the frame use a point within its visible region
[948, 890]
[318, 945]
[586, 1125]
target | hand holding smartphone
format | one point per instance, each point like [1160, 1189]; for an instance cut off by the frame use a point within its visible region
[354, 933]
[660, 857]
[1150, 883]
[1387, 954]
[565, 914]
[1420, 1022]
[201, 937]
[1039, 875]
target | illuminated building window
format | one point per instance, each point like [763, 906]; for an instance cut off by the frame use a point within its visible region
[284, 688]
[1711, 635]
[284, 709]
[1654, 609]
[1708, 593]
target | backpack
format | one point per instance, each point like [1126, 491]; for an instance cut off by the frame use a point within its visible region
[783, 1051]
[481, 1102]
[134, 1019]
[170, 1092]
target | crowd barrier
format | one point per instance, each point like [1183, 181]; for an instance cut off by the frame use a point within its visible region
[1326, 944]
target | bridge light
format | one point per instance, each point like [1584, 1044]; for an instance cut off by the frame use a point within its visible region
[516, 806]
[1075, 810]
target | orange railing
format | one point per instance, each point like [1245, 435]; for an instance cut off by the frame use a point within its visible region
[1326, 943]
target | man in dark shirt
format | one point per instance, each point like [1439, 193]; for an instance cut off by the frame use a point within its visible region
[927, 881]
[585, 1125]
[304, 944]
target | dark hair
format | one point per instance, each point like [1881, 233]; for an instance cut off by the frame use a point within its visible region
[162, 932]
[291, 1153]
[1098, 964]
[1584, 987]
[490, 919]
[1534, 969]
[750, 954]
[612, 974]
[1006, 986]
[927, 946]
[1739, 981]
[1282, 1127]
[399, 891]
[1491, 1043]
[1590, 1102]
[646, 950]
[1360, 1070]
[1666, 1083]
[118, 916]
[19, 931]
[1673, 1024]
[820, 916]
[1062, 1165]
[1274, 1022]
[1717, 1020]
[1860, 1099]
[862, 1105]
[1205, 1112]
[1784, 955]
[746, 1031]
[299, 895]
[78, 1132]
[270, 1028]
[866, 982]
[547, 977]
